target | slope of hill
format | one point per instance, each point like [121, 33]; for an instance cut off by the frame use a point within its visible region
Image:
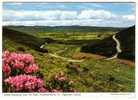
[107, 46]
[93, 74]
[127, 41]
[24, 39]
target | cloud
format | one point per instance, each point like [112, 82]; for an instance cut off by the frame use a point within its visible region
[129, 17]
[38, 15]
[55, 14]
[94, 14]
[54, 22]
[88, 22]
[15, 4]
[88, 17]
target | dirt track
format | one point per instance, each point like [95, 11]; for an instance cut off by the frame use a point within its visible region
[64, 58]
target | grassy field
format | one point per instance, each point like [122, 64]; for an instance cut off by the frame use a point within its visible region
[94, 74]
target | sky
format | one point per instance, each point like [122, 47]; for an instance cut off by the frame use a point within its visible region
[68, 14]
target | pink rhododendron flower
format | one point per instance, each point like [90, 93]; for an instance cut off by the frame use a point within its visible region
[31, 69]
[60, 77]
[25, 83]
[24, 63]
[6, 69]
[56, 90]
[42, 89]
[18, 64]
[5, 56]
[18, 69]
[26, 58]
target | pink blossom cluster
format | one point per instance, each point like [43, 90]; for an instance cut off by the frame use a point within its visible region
[19, 75]
[60, 77]
[57, 90]
[6, 69]
[26, 83]
[63, 84]
[17, 71]
[18, 61]
[31, 68]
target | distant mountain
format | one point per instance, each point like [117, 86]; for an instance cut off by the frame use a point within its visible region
[107, 46]
[63, 29]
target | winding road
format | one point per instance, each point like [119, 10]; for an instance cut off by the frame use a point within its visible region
[60, 57]
[64, 58]
[118, 48]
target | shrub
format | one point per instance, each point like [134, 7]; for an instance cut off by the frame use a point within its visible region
[18, 69]
[18, 63]
[25, 83]
[60, 83]
[20, 75]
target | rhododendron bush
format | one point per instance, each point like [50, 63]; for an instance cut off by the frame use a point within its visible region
[20, 75]
[18, 63]
[25, 83]
[60, 83]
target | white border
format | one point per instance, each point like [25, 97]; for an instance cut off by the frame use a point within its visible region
[81, 96]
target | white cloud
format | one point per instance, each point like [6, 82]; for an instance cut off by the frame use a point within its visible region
[95, 14]
[65, 18]
[34, 15]
[54, 22]
[15, 4]
[129, 17]
[88, 22]
[56, 14]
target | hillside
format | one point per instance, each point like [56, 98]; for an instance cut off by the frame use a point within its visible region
[107, 46]
[23, 38]
[91, 73]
